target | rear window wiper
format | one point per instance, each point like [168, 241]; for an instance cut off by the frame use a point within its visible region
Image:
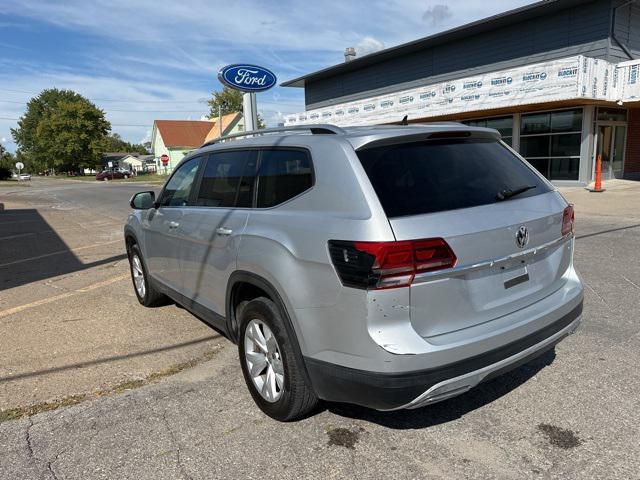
[508, 193]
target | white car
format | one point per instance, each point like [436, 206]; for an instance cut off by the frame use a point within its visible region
[24, 176]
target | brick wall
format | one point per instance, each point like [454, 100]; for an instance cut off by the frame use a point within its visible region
[632, 154]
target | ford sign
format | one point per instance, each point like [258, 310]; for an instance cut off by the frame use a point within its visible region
[247, 78]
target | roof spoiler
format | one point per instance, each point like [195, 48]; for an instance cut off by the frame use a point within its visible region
[481, 133]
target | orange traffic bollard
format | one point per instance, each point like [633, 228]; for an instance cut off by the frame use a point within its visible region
[597, 187]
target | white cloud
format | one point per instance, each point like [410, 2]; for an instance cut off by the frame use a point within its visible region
[437, 14]
[368, 45]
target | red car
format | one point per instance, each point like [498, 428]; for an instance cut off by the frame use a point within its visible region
[110, 175]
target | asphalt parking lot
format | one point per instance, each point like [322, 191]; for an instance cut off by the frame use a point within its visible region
[157, 394]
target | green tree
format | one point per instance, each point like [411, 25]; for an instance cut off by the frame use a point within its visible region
[61, 129]
[115, 143]
[227, 101]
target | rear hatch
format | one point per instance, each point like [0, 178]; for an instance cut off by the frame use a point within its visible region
[503, 222]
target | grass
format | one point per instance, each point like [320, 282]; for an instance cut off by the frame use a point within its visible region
[17, 413]
[14, 183]
[159, 179]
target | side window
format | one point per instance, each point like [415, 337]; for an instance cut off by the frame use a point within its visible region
[176, 192]
[228, 179]
[283, 175]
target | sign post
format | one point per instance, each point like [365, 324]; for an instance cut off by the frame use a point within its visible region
[250, 111]
[249, 79]
[19, 166]
[164, 158]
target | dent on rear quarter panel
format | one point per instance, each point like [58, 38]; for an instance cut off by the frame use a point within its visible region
[389, 321]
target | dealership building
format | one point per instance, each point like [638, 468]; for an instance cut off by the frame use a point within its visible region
[559, 79]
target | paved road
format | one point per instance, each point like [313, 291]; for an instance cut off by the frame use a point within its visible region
[571, 414]
[69, 320]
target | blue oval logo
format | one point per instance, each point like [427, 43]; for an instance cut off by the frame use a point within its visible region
[248, 78]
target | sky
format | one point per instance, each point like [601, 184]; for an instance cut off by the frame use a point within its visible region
[141, 60]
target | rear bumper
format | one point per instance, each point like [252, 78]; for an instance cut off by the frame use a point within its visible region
[391, 391]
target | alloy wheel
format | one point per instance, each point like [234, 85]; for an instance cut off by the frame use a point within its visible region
[138, 275]
[263, 359]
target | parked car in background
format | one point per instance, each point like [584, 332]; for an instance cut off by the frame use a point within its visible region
[113, 174]
[24, 176]
[391, 266]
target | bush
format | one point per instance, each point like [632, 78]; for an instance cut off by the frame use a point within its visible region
[5, 173]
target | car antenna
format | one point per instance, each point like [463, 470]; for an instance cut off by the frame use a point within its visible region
[405, 120]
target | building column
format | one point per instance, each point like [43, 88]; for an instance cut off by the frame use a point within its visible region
[585, 173]
[632, 152]
[515, 140]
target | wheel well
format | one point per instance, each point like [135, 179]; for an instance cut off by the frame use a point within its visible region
[130, 240]
[242, 292]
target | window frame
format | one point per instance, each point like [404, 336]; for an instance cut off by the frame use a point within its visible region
[193, 200]
[304, 150]
[495, 117]
[196, 181]
[256, 180]
[549, 158]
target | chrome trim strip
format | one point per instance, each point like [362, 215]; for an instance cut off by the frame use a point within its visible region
[457, 385]
[496, 262]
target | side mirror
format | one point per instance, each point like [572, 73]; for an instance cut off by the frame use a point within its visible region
[143, 200]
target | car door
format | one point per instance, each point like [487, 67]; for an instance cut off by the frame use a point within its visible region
[212, 227]
[162, 226]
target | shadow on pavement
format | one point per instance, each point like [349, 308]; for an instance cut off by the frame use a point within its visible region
[31, 250]
[103, 360]
[451, 409]
[587, 235]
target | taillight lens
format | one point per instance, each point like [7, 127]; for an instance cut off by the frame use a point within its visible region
[568, 217]
[376, 265]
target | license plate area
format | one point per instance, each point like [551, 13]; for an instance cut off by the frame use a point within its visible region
[518, 278]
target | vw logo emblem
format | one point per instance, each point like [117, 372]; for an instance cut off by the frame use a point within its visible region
[522, 237]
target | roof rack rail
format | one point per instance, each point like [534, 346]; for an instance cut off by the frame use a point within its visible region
[316, 129]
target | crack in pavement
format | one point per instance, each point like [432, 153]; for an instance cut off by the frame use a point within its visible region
[175, 443]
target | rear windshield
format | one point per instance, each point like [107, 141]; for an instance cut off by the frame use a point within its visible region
[432, 176]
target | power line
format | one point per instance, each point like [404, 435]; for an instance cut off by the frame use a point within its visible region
[112, 124]
[111, 99]
[122, 110]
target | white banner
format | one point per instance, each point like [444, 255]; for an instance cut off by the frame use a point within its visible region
[563, 79]
[628, 81]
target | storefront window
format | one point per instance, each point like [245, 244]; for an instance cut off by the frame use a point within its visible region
[607, 114]
[550, 141]
[504, 125]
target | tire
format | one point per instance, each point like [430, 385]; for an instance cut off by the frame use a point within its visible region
[295, 398]
[147, 295]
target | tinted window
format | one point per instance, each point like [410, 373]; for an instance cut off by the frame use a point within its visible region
[426, 177]
[283, 175]
[228, 179]
[176, 192]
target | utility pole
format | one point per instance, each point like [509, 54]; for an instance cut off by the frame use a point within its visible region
[220, 118]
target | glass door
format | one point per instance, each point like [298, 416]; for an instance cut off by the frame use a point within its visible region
[617, 153]
[610, 146]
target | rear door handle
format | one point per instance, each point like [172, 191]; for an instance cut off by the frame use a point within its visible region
[173, 225]
[224, 231]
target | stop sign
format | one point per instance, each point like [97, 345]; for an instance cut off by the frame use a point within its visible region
[164, 158]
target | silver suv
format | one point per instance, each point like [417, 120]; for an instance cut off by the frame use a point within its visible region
[388, 266]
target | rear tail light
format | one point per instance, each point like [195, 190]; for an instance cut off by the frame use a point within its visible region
[377, 265]
[568, 217]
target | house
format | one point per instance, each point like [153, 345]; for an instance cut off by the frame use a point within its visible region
[148, 163]
[176, 138]
[132, 163]
[226, 125]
